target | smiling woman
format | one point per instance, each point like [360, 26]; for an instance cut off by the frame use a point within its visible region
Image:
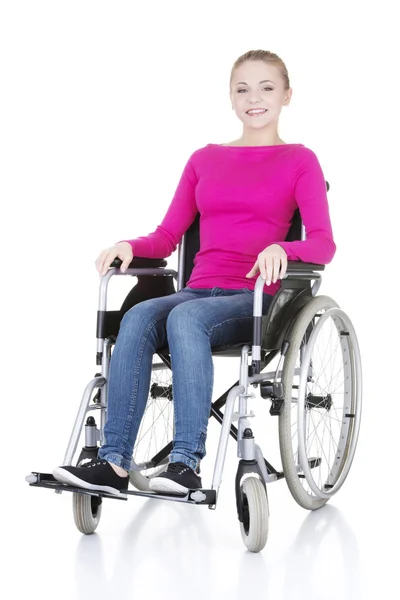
[259, 87]
[246, 196]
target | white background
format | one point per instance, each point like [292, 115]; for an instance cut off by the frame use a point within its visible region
[102, 103]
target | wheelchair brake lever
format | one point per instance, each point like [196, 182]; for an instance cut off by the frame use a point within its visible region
[284, 349]
[273, 390]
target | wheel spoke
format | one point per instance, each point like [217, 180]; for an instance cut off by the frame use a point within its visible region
[156, 427]
[322, 398]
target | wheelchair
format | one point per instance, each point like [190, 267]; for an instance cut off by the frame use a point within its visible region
[315, 390]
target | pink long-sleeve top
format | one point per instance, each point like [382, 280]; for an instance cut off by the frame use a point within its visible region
[246, 196]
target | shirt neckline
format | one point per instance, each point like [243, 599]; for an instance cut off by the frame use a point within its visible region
[255, 147]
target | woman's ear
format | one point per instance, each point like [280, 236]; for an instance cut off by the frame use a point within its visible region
[288, 97]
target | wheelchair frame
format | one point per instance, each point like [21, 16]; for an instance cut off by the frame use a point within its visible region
[300, 273]
[269, 336]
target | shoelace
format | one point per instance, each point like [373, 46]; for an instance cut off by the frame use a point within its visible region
[179, 468]
[95, 462]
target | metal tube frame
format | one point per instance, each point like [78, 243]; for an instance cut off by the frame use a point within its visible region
[240, 391]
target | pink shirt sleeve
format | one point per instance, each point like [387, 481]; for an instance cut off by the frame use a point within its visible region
[178, 218]
[311, 196]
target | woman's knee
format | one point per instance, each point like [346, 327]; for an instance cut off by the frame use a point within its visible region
[184, 316]
[140, 316]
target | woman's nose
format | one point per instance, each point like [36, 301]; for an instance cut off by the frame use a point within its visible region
[255, 100]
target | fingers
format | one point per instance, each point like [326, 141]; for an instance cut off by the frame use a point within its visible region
[106, 257]
[126, 256]
[109, 257]
[276, 265]
[283, 266]
[265, 263]
[253, 271]
[125, 264]
[104, 260]
[273, 267]
[100, 260]
[269, 268]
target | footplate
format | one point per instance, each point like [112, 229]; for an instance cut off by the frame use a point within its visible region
[46, 480]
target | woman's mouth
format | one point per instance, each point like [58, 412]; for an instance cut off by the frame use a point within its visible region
[257, 112]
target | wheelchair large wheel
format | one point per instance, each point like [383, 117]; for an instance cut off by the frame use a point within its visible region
[320, 417]
[254, 500]
[156, 429]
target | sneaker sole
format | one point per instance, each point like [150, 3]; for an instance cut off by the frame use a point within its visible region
[66, 477]
[167, 486]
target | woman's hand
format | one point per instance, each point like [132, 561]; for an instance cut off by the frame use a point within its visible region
[271, 262]
[122, 250]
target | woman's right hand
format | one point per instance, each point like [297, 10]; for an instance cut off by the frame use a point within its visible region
[122, 250]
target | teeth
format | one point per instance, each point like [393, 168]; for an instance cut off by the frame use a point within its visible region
[255, 112]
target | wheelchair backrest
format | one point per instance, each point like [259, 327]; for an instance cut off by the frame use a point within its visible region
[190, 245]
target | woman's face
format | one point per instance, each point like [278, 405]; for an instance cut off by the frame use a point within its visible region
[258, 85]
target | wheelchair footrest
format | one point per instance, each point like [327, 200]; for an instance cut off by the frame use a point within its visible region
[46, 480]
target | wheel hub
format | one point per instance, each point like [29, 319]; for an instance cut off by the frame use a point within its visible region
[313, 401]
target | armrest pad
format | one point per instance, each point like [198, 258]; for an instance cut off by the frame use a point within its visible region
[141, 263]
[298, 265]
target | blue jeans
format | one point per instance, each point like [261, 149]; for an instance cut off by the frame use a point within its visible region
[189, 321]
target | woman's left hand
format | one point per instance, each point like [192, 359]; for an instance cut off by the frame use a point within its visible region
[271, 262]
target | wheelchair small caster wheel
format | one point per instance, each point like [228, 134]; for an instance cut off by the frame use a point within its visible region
[255, 525]
[87, 511]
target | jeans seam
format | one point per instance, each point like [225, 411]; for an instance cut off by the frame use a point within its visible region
[227, 321]
[133, 402]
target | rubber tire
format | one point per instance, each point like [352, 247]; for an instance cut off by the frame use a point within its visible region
[86, 511]
[304, 499]
[254, 492]
[84, 518]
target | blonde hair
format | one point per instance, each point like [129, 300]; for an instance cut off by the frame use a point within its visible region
[268, 57]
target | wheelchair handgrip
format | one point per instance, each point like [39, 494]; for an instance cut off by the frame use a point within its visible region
[141, 263]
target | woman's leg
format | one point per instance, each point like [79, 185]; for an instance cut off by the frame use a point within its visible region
[142, 332]
[224, 317]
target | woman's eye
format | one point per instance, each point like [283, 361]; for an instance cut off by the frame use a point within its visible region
[266, 88]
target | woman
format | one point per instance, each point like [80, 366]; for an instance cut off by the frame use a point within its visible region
[246, 192]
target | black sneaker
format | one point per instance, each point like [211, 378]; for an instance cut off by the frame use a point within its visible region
[177, 479]
[94, 475]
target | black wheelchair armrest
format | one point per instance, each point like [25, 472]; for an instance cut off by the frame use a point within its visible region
[141, 263]
[297, 265]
